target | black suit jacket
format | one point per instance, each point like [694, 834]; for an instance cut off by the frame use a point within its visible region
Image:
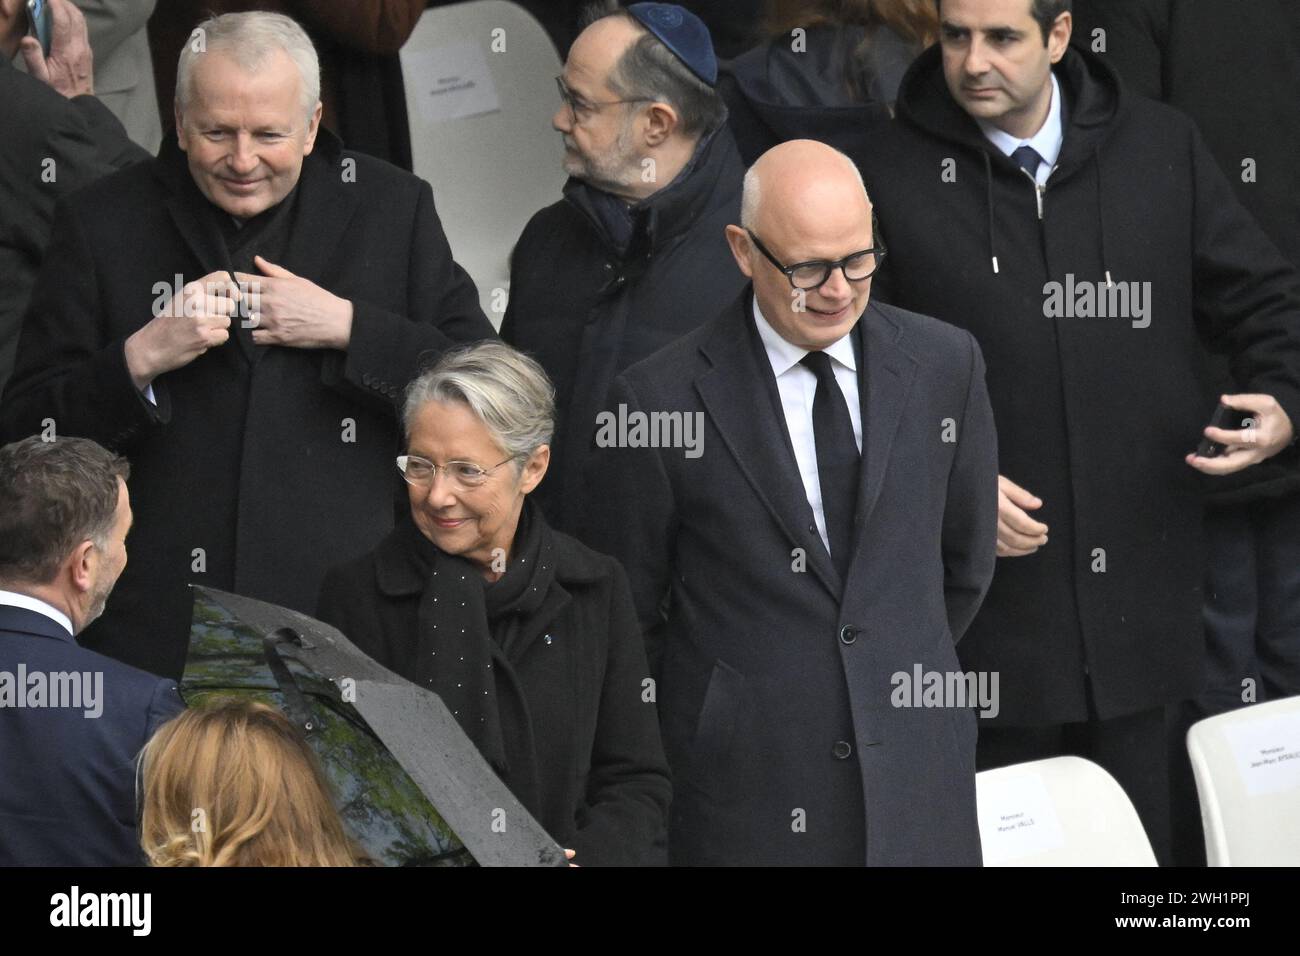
[67, 793]
[259, 468]
[774, 677]
[52, 146]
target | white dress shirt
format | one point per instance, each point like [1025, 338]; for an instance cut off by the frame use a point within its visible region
[1046, 142]
[797, 386]
[14, 599]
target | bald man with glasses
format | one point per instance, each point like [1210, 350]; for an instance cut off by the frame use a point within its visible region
[827, 545]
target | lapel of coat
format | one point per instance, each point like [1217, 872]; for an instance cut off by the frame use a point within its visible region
[201, 236]
[882, 394]
[326, 203]
[736, 397]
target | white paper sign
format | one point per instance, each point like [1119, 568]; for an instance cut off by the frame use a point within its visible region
[1267, 752]
[1017, 819]
[452, 82]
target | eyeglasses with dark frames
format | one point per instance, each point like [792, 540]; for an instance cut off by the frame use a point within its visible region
[578, 106]
[813, 274]
[420, 471]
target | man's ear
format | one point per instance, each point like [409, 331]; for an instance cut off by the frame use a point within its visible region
[313, 127]
[1059, 36]
[738, 240]
[83, 564]
[661, 122]
[180, 124]
[535, 469]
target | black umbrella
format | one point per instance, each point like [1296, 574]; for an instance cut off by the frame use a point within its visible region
[412, 788]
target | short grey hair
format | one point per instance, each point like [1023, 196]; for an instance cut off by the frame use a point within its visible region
[53, 496]
[250, 38]
[504, 388]
[751, 190]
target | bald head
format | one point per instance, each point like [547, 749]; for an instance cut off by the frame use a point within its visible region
[805, 202]
[805, 179]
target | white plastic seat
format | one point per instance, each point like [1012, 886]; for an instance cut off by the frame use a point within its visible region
[480, 93]
[1247, 766]
[1065, 811]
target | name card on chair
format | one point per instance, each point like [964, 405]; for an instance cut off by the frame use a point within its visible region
[1017, 819]
[1267, 751]
[454, 82]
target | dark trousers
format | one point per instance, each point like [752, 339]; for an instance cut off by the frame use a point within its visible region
[1132, 749]
[1252, 634]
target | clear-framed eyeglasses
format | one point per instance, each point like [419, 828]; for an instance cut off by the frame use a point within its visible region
[580, 110]
[420, 472]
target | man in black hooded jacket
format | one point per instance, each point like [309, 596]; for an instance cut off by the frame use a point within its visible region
[1089, 241]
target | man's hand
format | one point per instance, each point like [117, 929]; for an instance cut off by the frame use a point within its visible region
[1271, 433]
[285, 309]
[70, 67]
[192, 322]
[1018, 534]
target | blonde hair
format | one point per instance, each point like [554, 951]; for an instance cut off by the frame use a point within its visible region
[235, 784]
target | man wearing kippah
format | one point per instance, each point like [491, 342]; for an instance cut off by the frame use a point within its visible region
[634, 255]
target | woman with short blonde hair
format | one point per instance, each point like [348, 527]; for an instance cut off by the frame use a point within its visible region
[235, 784]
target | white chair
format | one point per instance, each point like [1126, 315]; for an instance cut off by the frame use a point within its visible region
[480, 93]
[1247, 766]
[1065, 811]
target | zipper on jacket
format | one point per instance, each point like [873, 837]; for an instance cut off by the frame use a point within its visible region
[1038, 194]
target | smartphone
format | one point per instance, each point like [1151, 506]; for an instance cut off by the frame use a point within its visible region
[1232, 419]
[39, 24]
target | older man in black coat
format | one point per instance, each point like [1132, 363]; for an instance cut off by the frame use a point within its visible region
[261, 423]
[812, 556]
[633, 256]
[1089, 241]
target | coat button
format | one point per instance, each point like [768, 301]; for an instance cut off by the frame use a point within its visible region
[848, 634]
[842, 750]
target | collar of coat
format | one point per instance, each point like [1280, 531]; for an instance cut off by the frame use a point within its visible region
[399, 572]
[1094, 97]
[714, 170]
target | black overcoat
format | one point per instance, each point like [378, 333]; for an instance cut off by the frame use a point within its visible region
[1094, 413]
[578, 680]
[258, 468]
[776, 680]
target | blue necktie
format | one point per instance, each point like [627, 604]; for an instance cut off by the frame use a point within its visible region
[1027, 159]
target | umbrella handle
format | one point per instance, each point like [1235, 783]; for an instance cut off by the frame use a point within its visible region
[295, 703]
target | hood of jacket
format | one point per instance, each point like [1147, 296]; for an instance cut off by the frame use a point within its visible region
[808, 93]
[1094, 106]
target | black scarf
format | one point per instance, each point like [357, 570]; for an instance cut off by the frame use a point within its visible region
[470, 631]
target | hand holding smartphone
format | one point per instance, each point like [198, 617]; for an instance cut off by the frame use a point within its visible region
[1231, 419]
[39, 23]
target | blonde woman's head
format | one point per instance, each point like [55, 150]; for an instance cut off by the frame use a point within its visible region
[234, 783]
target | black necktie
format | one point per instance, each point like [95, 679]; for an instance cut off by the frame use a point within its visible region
[1027, 158]
[838, 460]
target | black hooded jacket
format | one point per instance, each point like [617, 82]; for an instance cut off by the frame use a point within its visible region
[1094, 414]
